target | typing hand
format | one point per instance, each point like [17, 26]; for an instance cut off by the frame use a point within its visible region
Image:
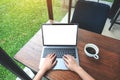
[49, 62]
[70, 62]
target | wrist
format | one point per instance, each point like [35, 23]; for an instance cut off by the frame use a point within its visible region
[41, 72]
[43, 69]
[77, 69]
[39, 75]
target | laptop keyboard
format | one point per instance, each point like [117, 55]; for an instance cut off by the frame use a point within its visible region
[59, 51]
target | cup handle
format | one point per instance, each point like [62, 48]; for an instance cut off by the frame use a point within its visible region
[96, 56]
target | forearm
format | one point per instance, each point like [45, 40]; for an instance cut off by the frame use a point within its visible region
[39, 75]
[83, 74]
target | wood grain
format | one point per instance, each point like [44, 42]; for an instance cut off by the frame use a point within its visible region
[105, 68]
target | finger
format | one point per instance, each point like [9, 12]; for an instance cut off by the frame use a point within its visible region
[66, 64]
[65, 59]
[54, 63]
[52, 55]
[69, 56]
[65, 56]
[53, 58]
[48, 55]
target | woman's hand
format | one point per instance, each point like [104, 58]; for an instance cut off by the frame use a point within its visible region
[49, 62]
[70, 62]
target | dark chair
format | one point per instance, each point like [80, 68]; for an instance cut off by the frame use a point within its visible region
[114, 8]
[7, 62]
[115, 20]
[91, 15]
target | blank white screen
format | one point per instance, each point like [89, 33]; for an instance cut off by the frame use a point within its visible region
[59, 34]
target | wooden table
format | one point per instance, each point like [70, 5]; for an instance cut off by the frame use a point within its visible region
[105, 68]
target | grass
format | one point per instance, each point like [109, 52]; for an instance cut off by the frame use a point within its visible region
[19, 21]
[109, 0]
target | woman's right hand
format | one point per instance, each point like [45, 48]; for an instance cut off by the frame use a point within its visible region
[70, 62]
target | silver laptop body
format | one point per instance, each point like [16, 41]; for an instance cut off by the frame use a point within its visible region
[57, 38]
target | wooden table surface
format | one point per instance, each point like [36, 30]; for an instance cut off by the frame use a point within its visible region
[107, 67]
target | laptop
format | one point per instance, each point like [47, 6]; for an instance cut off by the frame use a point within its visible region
[59, 39]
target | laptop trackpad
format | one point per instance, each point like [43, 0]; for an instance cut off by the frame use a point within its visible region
[59, 65]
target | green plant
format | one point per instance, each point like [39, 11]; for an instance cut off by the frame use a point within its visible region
[19, 21]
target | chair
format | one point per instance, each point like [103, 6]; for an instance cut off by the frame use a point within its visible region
[115, 20]
[7, 62]
[90, 15]
[114, 8]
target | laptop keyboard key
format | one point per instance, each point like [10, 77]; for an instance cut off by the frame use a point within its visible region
[59, 52]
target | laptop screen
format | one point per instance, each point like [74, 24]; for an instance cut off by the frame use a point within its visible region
[59, 34]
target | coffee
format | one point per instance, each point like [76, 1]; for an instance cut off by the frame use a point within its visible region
[90, 50]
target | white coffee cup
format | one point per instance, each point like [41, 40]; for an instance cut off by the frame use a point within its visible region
[91, 50]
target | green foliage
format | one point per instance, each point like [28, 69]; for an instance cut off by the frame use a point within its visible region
[19, 21]
[109, 0]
